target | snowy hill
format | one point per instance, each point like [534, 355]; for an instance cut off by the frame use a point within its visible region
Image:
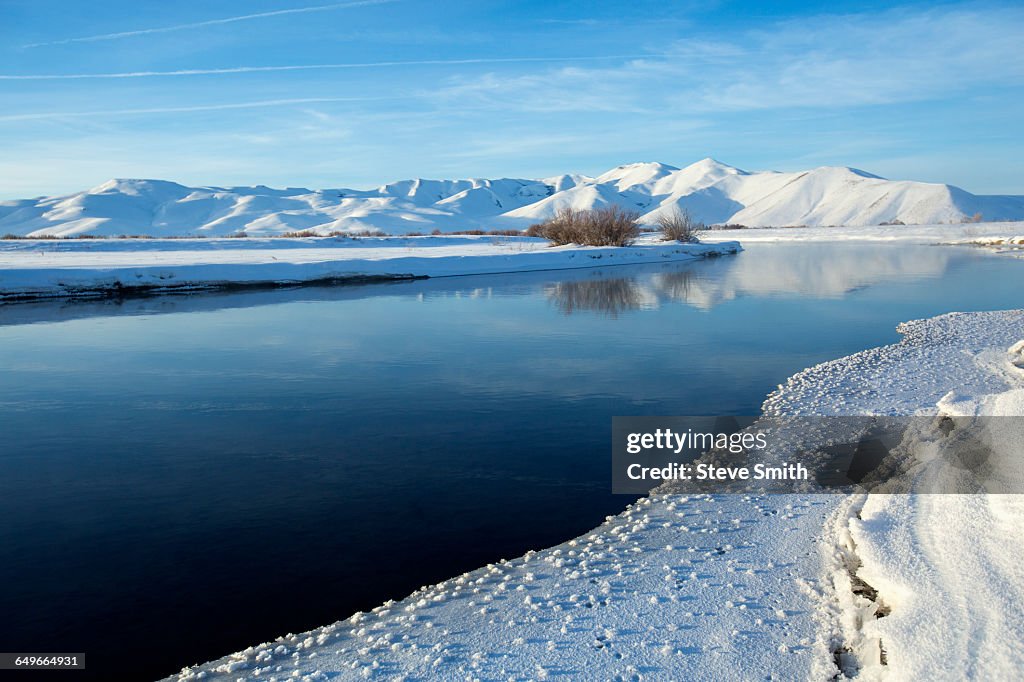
[712, 191]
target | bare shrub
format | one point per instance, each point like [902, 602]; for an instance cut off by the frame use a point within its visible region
[10, 235]
[355, 235]
[610, 226]
[679, 226]
[298, 235]
[489, 233]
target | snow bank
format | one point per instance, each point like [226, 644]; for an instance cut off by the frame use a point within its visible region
[1009, 241]
[930, 586]
[1013, 245]
[40, 269]
[711, 191]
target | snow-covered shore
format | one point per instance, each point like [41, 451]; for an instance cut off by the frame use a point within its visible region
[82, 268]
[737, 587]
[965, 233]
[946, 567]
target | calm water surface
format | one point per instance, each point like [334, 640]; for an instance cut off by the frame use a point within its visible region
[181, 477]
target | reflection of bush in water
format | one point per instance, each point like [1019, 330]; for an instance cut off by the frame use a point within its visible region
[609, 296]
[676, 285]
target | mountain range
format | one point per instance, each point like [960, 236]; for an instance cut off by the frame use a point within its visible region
[712, 192]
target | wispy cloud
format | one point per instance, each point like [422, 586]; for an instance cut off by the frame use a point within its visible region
[848, 61]
[210, 22]
[259, 104]
[832, 62]
[307, 67]
[563, 89]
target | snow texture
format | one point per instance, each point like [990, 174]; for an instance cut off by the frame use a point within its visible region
[711, 191]
[929, 586]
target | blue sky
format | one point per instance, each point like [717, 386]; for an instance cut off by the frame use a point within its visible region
[318, 94]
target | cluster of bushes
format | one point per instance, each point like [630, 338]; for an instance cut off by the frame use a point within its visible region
[679, 226]
[235, 235]
[614, 226]
[611, 226]
[85, 236]
[310, 233]
[489, 233]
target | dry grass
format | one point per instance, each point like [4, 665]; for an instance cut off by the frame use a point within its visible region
[480, 233]
[611, 226]
[356, 235]
[679, 226]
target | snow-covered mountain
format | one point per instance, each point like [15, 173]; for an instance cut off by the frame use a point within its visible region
[712, 191]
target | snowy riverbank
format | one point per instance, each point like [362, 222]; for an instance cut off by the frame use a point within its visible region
[82, 268]
[960, 233]
[737, 586]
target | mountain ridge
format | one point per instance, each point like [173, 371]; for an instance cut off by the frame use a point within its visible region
[712, 191]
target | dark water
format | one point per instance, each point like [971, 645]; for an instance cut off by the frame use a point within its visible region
[181, 477]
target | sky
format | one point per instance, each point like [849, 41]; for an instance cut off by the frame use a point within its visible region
[301, 93]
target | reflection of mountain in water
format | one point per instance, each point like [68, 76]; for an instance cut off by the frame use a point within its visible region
[818, 270]
[608, 296]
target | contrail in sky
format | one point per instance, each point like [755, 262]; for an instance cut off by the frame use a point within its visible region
[310, 67]
[172, 110]
[211, 22]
